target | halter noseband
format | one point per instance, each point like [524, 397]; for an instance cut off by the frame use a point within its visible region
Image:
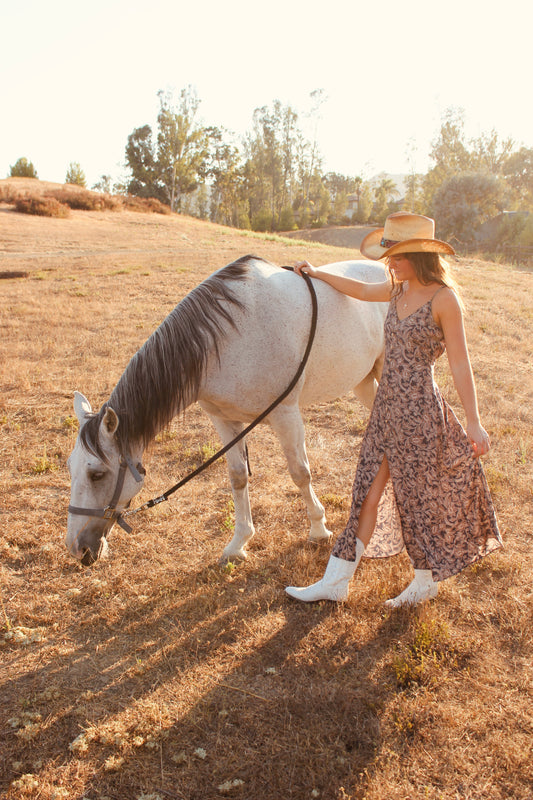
[110, 512]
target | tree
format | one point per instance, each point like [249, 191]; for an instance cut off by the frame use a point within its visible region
[449, 152]
[363, 199]
[384, 193]
[414, 200]
[319, 200]
[23, 169]
[75, 175]
[339, 187]
[103, 185]
[182, 146]
[489, 154]
[225, 171]
[140, 159]
[264, 172]
[518, 171]
[464, 202]
[318, 98]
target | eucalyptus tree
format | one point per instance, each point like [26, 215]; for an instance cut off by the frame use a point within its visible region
[141, 160]
[182, 145]
[228, 205]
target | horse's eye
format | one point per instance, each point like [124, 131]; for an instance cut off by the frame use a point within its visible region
[96, 476]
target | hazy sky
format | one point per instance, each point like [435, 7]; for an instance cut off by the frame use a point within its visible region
[78, 77]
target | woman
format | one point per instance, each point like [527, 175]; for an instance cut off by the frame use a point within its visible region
[419, 482]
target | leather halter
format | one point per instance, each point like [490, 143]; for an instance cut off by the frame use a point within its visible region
[110, 512]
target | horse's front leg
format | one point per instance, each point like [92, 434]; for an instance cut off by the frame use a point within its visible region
[286, 421]
[238, 474]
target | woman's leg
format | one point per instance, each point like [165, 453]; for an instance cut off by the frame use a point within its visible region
[423, 587]
[369, 509]
[334, 584]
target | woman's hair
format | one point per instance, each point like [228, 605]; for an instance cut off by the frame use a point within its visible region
[429, 268]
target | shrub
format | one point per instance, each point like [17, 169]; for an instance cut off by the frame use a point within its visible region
[81, 201]
[8, 194]
[262, 220]
[86, 200]
[147, 205]
[243, 221]
[41, 206]
[286, 220]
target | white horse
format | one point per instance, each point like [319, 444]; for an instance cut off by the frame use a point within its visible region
[232, 345]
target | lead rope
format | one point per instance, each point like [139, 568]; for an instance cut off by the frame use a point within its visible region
[162, 497]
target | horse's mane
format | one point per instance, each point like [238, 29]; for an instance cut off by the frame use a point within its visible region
[164, 376]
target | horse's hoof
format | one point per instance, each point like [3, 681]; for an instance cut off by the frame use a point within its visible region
[322, 536]
[232, 558]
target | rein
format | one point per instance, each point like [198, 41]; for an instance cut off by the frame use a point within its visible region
[161, 498]
[110, 512]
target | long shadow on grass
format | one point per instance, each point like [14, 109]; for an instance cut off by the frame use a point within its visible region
[222, 679]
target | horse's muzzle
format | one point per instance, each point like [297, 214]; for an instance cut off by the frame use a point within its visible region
[92, 545]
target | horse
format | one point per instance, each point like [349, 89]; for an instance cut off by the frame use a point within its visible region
[232, 345]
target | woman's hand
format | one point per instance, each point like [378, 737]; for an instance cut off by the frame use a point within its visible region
[479, 438]
[305, 266]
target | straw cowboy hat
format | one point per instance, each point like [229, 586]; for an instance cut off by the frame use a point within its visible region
[404, 233]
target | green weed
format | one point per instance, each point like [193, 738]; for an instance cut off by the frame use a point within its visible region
[422, 660]
[207, 451]
[332, 500]
[44, 464]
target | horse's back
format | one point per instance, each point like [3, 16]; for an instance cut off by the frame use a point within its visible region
[260, 358]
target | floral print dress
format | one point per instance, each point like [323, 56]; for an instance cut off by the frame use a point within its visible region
[437, 503]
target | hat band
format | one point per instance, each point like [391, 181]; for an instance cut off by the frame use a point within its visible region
[388, 242]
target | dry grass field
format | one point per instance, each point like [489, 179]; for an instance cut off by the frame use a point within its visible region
[158, 673]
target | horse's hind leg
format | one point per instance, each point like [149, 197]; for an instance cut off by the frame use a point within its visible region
[286, 421]
[238, 474]
[366, 390]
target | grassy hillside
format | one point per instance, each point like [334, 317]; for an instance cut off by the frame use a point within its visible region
[158, 673]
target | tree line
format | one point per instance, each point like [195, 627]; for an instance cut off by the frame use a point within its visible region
[272, 179]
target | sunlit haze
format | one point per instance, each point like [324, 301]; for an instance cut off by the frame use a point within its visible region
[79, 77]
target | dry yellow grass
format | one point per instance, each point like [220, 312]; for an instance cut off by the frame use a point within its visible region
[159, 673]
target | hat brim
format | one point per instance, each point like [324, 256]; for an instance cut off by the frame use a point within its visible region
[371, 248]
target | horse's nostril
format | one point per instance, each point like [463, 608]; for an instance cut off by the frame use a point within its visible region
[87, 559]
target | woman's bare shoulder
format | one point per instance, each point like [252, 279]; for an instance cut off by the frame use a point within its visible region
[446, 307]
[446, 299]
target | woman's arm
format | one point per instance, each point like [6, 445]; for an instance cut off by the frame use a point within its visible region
[376, 292]
[448, 315]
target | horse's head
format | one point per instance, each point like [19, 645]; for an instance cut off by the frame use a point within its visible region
[103, 482]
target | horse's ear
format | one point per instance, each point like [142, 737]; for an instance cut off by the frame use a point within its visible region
[82, 407]
[109, 422]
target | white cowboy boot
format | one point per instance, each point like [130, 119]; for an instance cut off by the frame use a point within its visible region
[421, 588]
[334, 584]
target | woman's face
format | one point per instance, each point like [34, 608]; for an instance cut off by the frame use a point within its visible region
[401, 267]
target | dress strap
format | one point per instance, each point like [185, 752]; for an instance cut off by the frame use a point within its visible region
[438, 290]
